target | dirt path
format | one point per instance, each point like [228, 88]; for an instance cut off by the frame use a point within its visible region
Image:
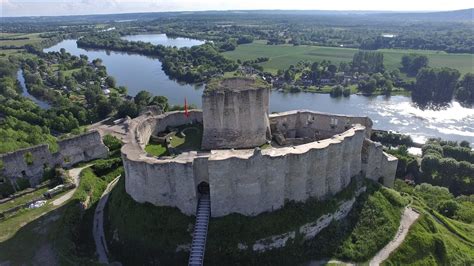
[98, 226]
[408, 218]
[74, 174]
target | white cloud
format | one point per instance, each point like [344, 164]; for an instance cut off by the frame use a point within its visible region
[75, 7]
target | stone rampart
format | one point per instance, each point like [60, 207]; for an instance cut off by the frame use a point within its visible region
[309, 124]
[30, 163]
[160, 181]
[248, 181]
[377, 164]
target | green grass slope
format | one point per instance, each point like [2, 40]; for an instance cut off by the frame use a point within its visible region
[142, 234]
[370, 225]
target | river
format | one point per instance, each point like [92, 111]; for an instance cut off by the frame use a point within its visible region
[21, 79]
[396, 113]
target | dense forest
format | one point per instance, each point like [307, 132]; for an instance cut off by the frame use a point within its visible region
[76, 89]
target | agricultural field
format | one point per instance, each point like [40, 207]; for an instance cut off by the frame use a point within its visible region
[19, 39]
[282, 56]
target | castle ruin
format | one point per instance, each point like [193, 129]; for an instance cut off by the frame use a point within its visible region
[312, 154]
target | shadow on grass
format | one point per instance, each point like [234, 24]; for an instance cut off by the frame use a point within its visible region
[355, 238]
[61, 236]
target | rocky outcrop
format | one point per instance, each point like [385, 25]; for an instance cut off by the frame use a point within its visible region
[30, 163]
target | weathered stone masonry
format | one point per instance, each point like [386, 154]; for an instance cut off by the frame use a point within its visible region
[252, 181]
[73, 150]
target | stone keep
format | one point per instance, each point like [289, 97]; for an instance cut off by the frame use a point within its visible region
[235, 114]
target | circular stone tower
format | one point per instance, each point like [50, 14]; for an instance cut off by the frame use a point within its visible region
[235, 113]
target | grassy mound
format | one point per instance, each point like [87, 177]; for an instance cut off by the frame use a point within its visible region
[143, 234]
[431, 243]
[370, 225]
[435, 239]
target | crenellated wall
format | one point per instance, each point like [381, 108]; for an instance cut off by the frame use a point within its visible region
[252, 181]
[81, 148]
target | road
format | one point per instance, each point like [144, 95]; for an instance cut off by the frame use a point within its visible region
[75, 175]
[98, 227]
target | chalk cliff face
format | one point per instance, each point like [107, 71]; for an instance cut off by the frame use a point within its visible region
[235, 115]
[252, 181]
[81, 148]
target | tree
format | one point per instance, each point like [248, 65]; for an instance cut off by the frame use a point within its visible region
[110, 81]
[429, 164]
[161, 101]
[465, 91]
[435, 85]
[128, 108]
[412, 63]
[142, 98]
[104, 108]
[336, 91]
[448, 208]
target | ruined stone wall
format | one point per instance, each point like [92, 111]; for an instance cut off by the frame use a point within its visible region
[376, 163]
[81, 148]
[235, 119]
[251, 182]
[304, 123]
[162, 182]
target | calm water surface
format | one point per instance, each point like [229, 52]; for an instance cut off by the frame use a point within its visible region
[396, 113]
[40, 103]
[163, 40]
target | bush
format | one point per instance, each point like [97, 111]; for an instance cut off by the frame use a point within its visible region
[112, 142]
[433, 149]
[346, 92]
[104, 166]
[6, 189]
[429, 164]
[448, 208]
[336, 91]
[459, 153]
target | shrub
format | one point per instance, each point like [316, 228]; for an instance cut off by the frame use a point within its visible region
[432, 148]
[346, 92]
[112, 142]
[102, 167]
[28, 158]
[6, 189]
[459, 153]
[429, 164]
[336, 91]
[448, 208]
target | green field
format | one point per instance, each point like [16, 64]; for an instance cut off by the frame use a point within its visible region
[32, 39]
[282, 56]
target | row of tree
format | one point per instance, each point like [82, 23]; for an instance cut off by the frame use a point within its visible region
[194, 64]
[440, 85]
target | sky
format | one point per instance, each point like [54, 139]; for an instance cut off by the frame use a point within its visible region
[13, 8]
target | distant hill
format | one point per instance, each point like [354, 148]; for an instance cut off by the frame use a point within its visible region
[456, 15]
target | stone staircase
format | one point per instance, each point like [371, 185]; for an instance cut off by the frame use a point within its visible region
[198, 245]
